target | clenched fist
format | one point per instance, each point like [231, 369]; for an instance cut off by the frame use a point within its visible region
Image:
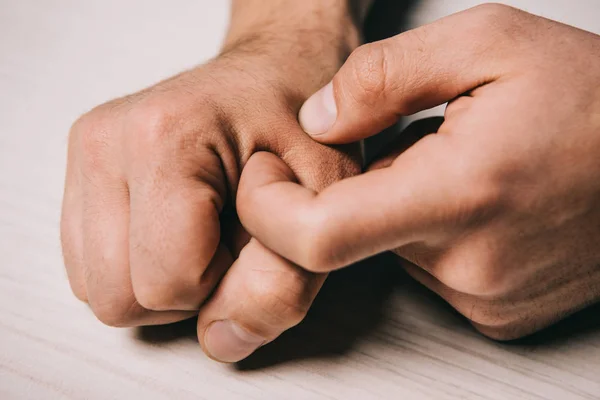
[149, 226]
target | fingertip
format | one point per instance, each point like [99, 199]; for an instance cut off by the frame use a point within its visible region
[318, 117]
[226, 341]
[261, 169]
[264, 167]
[319, 112]
[260, 297]
[331, 115]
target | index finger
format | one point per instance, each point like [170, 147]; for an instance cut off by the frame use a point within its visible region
[410, 201]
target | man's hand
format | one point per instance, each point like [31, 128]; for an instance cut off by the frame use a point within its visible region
[499, 212]
[148, 225]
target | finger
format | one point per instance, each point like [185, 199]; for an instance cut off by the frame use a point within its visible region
[71, 220]
[106, 255]
[316, 173]
[176, 256]
[458, 106]
[410, 72]
[422, 196]
[260, 297]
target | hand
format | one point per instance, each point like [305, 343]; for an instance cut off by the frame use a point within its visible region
[499, 212]
[148, 225]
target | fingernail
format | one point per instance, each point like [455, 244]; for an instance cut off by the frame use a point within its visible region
[226, 341]
[319, 112]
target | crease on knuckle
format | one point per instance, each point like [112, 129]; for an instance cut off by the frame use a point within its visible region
[370, 72]
[283, 297]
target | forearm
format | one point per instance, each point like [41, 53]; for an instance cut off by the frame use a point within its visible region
[310, 39]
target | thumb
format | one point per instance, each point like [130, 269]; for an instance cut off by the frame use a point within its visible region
[407, 73]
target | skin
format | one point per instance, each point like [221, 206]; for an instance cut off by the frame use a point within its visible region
[149, 228]
[499, 211]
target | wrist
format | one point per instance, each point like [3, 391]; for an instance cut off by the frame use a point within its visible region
[305, 42]
[340, 20]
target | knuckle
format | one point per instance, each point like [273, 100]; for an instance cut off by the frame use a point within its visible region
[492, 12]
[114, 310]
[494, 19]
[171, 293]
[154, 297]
[86, 123]
[370, 76]
[319, 250]
[282, 297]
[160, 129]
[475, 272]
[150, 124]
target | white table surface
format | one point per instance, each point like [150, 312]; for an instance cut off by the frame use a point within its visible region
[373, 333]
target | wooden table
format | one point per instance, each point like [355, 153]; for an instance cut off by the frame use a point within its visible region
[373, 333]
